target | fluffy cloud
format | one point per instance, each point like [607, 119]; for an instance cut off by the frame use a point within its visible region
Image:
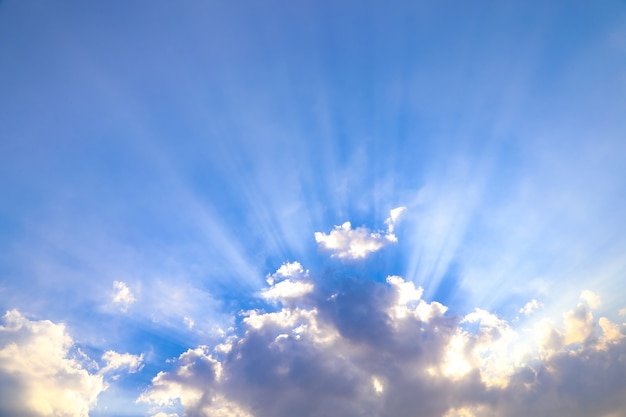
[192, 385]
[290, 281]
[122, 296]
[39, 375]
[348, 243]
[121, 361]
[358, 347]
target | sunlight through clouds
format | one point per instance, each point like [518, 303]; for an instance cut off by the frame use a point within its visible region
[325, 335]
[312, 208]
[332, 354]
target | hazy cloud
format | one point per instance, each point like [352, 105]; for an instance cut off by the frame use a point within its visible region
[530, 307]
[591, 298]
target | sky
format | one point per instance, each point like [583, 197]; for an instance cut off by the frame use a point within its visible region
[312, 208]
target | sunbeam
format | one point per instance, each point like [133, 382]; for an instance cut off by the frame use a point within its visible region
[312, 208]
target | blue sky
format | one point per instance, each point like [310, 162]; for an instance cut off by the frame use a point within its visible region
[176, 182]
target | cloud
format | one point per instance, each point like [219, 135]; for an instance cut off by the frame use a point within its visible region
[192, 385]
[289, 281]
[363, 348]
[394, 216]
[530, 307]
[39, 375]
[348, 243]
[122, 296]
[591, 298]
[189, 322]
[579, 325]
[121, 361]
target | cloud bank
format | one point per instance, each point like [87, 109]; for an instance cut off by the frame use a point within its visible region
[361, 348]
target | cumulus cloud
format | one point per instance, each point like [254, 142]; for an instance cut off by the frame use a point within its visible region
[192, 385]
[122, 296]
[349, 243]
[288, 282]
[39, 374]
[364, 348]
[121, 361]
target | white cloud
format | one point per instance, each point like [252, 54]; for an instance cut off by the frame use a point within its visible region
[122, 296]
[394, 216]
[193, 385]
[409, 301]
[611, 332]
[121, 361]
[162, 414]
[287, 289]
[530, 307]
[579, 325]
[39, 375]
[196, 371]
[348, 243]
[287, 270]
[591, 298]
[493, 348]
[288, 282]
